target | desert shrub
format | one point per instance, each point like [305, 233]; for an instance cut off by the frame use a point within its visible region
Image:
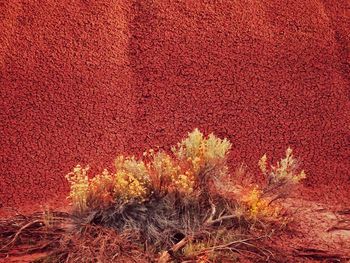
[279, 181]
[258, 202]
[280, 178]
[165, 197]
[158, 174]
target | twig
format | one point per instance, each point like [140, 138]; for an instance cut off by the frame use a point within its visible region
[242, 241]
[19, 232]
[212, 214]
[220, 219]
[165, 256]
[212, 221]
[180, 244]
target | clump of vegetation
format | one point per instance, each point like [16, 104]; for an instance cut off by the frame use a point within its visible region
[179, 205]
[169, 197]
[184, 173]
[283, 176]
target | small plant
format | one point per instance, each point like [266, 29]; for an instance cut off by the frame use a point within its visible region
[283, 176]
[279, 181]
[259, 207]
[79, 187]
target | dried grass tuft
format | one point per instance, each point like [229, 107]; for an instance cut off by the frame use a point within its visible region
[98, 244]
[35, 233]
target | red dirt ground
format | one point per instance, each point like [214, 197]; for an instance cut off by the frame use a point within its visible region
[82, 81]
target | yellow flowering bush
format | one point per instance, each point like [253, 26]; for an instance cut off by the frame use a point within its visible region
[162, 171]
[280, 178]
[128, 186]
[184, 183]
[286, 169]
[131, 179]
[259, 207]
[283, 175]
[198, 154]
[157, 173]
[101, 189]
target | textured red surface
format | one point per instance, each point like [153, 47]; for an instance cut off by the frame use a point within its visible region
[82, 81]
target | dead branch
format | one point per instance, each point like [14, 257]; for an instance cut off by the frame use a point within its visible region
[220, 219]
[211, 221]
[165, 256]
[344, 212]
[20, 231]
[212, 214]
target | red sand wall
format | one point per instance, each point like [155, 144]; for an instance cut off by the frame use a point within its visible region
[82, 81]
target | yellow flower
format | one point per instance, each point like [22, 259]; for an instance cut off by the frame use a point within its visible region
[263, 164]
[79, 187]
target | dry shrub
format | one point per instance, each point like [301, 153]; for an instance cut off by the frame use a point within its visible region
[184, 172]
[259, 202]
[166, 197]
[280, 180]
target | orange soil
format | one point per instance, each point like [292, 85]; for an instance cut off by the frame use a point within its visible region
[81, 81]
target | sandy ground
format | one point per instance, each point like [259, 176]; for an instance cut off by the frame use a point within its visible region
[320, 232]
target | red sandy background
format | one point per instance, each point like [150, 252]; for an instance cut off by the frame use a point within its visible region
[83, 81]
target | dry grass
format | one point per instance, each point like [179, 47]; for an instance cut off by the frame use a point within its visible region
[98, 244]
[36, 233]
